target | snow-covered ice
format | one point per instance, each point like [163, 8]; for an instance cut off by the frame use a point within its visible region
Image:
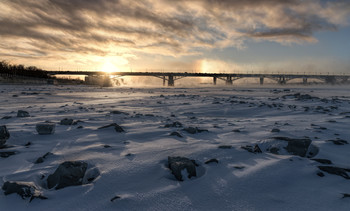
[131, 166]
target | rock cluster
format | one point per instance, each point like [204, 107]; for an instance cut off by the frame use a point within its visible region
[343, 172]
[285, 146]
[174, 124]
[338, 141]
[194, 130]
[24, 189]
[255, 149]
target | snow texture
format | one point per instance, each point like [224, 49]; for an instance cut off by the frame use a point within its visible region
[127, 161]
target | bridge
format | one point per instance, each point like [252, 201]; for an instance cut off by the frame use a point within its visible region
[171, 77]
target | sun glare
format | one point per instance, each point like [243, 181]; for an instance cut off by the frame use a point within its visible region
[109, 67]
[205, 66]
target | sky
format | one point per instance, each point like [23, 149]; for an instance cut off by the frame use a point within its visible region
[177, 35]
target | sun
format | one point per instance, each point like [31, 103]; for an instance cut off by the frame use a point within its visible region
[109, 67]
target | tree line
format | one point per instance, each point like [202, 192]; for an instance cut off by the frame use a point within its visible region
[20, 70]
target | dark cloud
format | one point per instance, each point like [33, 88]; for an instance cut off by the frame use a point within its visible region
[303, 29]
[234, 4]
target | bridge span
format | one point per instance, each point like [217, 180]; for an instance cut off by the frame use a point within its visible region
[171, 77]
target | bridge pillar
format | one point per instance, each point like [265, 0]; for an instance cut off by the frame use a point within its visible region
[282, 80]
[171, 81]
[304, 80]
[163, 80]
[228, 80]
[261, 80]
[214, 80]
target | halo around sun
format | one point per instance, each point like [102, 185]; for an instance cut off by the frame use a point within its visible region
[109, 67]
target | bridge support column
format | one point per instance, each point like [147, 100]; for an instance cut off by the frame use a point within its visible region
[171, 81]
[282, 80]
[304, 80]
[228, 80]
[163, 80]
[214, 80]
[261, 80]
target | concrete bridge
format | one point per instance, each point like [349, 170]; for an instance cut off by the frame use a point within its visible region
[171, 77]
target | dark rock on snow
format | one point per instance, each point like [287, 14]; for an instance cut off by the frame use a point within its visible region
[336, 170]
[255, 149]
[4, 135]
[299, 96]
[24, 189]
[346, 195]
[115, 198]
[66, 121]
[338, 141]
[42, 158]
[239, 167]
[194, 130]
[69, 173]
[119, 112]
[174, 124]
[213, 160]
[177, 164]
[7, 154]
[320, 174]
[21, 113]
[296, 146]
[117, 128]
[274, 150]
[289, 146]
[225, 146]
[39, 160]
[275, 130]
[323, 161]
[45, 128]
[176, 134]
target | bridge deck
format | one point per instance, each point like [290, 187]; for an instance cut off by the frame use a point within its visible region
[189, 74]
[281, 78]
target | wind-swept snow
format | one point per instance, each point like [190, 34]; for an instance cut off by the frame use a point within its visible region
[240, 139]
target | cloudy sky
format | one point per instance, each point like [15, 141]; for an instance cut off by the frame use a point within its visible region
[175, 35]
